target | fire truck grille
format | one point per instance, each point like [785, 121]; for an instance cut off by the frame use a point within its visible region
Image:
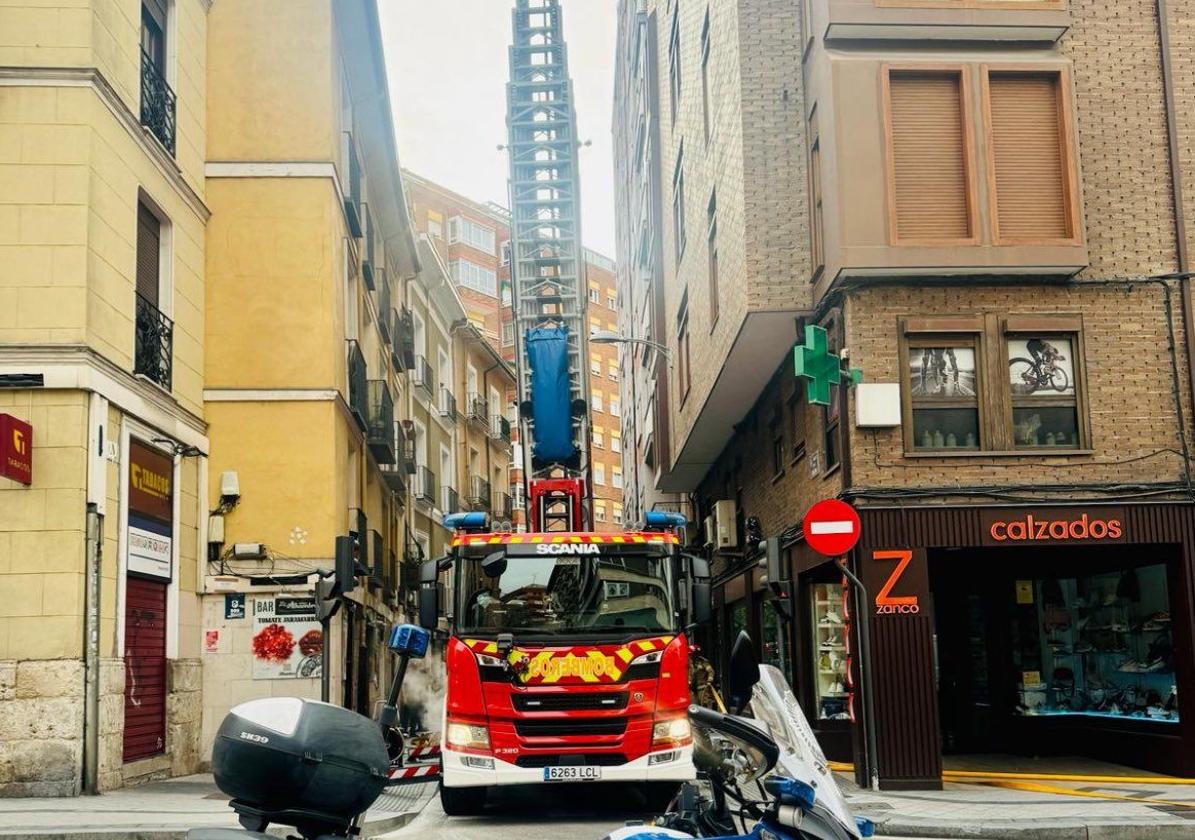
[564, 727]
[569, 702]
[573, 759]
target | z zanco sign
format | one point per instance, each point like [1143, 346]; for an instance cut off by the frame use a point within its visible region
[886, 602]
[16, 449]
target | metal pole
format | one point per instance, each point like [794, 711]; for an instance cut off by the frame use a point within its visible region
[869, 733]
[325, 685]
[91, 652]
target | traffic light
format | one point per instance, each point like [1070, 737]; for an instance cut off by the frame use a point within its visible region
[326, 601]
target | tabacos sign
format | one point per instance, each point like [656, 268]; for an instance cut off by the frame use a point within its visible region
[16, 449]
[1051, 526]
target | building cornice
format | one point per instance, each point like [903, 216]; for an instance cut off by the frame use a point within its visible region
[91, 77]
[78, 367]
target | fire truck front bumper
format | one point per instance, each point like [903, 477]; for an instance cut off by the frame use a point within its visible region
[469, 770]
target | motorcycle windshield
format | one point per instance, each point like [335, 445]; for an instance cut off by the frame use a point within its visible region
[801, 757]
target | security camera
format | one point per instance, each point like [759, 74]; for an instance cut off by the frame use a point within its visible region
[230, 488]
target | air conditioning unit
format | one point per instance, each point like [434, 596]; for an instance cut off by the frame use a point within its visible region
[711, 530]
[725, 532]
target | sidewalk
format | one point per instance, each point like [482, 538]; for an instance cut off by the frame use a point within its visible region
[166, 810]
[1091, 805]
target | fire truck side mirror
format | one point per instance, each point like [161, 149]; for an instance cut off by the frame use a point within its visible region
[429, 607]
[429, 572]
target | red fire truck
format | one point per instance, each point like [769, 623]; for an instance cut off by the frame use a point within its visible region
[567, 658]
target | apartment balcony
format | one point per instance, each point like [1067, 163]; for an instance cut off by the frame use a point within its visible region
[423, 377]
[153, 352]
[385, 309]
[358, 381]
[480, 494]
[503, 507]
[396, 474]
[369, 266]
[403, 350]
[447, 405]
[380, 433]
[157, 103]
[352, 199]
[500, 430]
[425, 486]
[377, 556]
[478, 411]
[450, 500]
[960, 21]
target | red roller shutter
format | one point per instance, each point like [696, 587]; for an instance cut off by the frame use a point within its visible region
[145, 669]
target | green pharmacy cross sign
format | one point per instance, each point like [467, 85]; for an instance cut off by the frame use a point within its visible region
[819, 367]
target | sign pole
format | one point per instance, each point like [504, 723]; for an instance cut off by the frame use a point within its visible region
[869, 730]
[325, 660]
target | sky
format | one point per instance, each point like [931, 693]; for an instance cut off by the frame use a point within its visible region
[447, 66]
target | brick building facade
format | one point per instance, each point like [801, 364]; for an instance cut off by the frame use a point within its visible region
[997, 190]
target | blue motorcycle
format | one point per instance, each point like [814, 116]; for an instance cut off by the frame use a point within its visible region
[762, 777]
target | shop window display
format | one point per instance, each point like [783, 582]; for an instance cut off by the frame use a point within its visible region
[944, 391]
[1041, 374]
[1098, 645]
[830, 629]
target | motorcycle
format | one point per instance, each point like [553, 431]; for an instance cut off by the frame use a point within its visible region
[767, 768]
[311, 765]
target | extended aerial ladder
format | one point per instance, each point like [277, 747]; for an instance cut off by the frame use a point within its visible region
[548, 271]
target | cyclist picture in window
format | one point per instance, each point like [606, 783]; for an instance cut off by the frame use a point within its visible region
[942, 372]
[1041, 365]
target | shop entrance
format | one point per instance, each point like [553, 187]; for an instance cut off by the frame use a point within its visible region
[1056, 650]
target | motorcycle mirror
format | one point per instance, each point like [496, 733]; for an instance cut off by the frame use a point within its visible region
[744, 671]
[494, 565]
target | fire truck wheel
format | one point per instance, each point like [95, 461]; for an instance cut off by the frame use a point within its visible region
[659, 795]
[462, 801]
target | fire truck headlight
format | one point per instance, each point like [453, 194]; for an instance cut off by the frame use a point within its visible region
[646, 658]
[669, 732]
[467, 736]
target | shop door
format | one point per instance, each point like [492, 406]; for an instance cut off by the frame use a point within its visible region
[145, 668]
[774, 644]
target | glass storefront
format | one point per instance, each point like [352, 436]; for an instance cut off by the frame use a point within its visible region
[832, 685]
[775, 648]
[1096, 645]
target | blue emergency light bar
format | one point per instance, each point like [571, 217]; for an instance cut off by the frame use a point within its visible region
[410, 640]
[475, 522]
[662, 520]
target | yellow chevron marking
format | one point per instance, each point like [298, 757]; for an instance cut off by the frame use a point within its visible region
[574, 539]
[625, 655]
[557, 539]
[619, 539]
[639, 539]
[495, 540]
[537, 539]
[646, 647]
[490, 648]
[595, 538]
[516, 540]
[666, 640]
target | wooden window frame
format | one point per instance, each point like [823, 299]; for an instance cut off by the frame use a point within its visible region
[1070, 326]
[971, 340]
[712, 266]
[817, 219]
[964, 73]
[1067, 140]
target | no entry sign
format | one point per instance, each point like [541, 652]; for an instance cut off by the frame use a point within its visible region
[831, 527]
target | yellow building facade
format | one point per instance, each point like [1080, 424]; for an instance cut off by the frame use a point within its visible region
[310, 259]
[102, 246]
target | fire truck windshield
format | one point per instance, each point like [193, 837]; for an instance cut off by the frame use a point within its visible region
[606, 591]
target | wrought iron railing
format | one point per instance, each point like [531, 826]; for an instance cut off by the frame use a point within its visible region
[424, 378]
[480, 494]
[425, 485]
[500, 428]
[358, 385]
[154, 345]
[447, 404]
[385, 310]
[503, 508]
[395, 474]
[404, 346]
[157, 103]
[479, 410]
[368, 265]
[381, 422]
[450, 500]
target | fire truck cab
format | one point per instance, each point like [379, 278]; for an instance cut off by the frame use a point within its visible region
[566, 656]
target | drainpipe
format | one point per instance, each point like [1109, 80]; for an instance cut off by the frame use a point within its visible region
[1176, 184]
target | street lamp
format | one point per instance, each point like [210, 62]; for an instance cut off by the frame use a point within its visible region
[607, 337]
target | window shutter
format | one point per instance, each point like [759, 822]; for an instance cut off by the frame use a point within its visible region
[929, 156]
[1027, 148]
[149, 247]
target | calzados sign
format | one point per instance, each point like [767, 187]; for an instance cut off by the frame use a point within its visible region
[1056, 525]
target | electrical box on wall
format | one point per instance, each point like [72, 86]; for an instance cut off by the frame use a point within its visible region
[726, 534]
[877, 405]
[710, 530]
